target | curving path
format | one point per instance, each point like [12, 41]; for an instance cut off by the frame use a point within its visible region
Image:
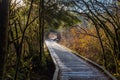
[72, 67]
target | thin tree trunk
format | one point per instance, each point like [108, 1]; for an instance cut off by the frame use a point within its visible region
[41, 28]
[4, 14]
[103, 50]
[20, 45]
[99, 37]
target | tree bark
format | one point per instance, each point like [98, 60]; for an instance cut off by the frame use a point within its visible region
[41, 28]
[4, 14]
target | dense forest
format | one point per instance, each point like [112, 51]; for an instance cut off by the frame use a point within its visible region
[89, 27]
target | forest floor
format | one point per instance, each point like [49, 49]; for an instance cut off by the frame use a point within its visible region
[46, 71]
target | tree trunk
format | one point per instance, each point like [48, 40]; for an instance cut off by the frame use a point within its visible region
[4, 13]
[41, 28]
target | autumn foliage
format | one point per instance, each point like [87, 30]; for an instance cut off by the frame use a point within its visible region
[84, 40]
[87, 45]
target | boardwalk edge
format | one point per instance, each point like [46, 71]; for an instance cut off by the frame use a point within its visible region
[93, 63]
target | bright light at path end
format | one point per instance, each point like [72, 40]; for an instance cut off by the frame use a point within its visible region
[21, 2]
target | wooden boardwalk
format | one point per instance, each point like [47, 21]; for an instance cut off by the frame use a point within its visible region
[71, 67]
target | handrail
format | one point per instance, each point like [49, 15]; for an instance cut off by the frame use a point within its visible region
[56, 73]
